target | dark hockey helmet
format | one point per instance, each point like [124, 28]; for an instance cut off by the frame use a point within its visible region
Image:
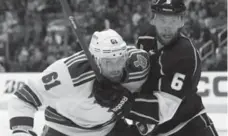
[168, 6]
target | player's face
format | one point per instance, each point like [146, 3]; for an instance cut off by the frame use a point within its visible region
[167, 26]
[112, 68]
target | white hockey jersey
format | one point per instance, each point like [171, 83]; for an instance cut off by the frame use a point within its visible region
[64, 89]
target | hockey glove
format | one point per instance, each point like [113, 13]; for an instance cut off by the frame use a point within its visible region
[144, 129]
[147, 41]
[114, 96]
[22, 131]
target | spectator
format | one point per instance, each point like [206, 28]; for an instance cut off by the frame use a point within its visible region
[137, 15]
[220, 60]
[36, 61]
[2, 68]
[26, 24]
[21, 62]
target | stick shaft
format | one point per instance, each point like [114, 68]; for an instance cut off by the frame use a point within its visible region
[78, 35]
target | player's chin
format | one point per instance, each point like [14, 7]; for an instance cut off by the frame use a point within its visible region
[115, 78]
[166, 40]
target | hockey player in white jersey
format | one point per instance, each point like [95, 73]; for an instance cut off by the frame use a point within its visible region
[75, 104]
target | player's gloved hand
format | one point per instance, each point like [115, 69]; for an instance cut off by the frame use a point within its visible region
[144, 129]
[22, 131]
[147, 42]
[114, 96]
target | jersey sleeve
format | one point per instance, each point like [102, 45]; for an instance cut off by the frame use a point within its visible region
[43, 89]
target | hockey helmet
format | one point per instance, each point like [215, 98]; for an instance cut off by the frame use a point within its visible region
[107, 44]
[110, 53]
[168, 6]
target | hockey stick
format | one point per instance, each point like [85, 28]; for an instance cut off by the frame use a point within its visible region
[69, 15]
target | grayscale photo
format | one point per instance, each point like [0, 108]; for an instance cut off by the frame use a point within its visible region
[113, 68]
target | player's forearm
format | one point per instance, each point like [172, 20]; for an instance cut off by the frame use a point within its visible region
[155, 108]
[21, 113]
[145, 109]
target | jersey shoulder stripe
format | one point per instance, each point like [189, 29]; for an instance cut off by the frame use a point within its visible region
[79, 69]
[136, 76]
[131, 49]
[73, 56]
[86, 78]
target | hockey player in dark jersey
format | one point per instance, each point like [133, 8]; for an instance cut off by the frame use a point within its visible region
[75, 102]
[168, 104]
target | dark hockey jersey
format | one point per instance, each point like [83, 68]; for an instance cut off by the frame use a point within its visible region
[168, 97]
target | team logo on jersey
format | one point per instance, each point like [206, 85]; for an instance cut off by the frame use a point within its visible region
[141, 61]
[114, 41]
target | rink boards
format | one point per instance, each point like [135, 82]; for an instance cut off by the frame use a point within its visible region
[212, 88]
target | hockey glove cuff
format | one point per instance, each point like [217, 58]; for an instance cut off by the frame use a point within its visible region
[114, 96]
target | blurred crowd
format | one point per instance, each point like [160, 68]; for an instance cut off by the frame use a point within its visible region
[206, 25]
[34, 34]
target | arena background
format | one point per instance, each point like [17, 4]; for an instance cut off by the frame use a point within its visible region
[33, 35]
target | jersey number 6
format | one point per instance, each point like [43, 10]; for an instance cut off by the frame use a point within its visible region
[50, 80]
[177, 81]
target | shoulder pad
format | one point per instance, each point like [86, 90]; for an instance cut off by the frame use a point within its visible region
[137, 66]
[185, 48]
